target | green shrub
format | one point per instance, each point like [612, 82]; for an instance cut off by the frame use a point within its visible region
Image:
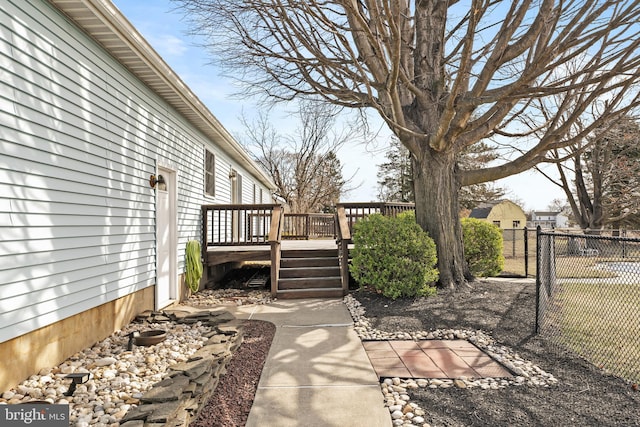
[394, 255]
[482, 247]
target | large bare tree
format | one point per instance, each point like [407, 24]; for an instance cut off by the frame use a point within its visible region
[442, 74]
[601, 177]
[303, 161]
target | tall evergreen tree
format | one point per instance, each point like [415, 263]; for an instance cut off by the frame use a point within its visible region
[395, 176]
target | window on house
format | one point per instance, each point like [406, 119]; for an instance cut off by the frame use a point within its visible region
[516, 224]
[209, 174]
[239, 187]
[497, 223]
[254, 194]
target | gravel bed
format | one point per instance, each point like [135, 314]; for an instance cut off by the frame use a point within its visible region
[396, 390]
[119, 377]
[526, 372]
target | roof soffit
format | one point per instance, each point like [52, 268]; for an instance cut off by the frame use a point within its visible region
[103, 22]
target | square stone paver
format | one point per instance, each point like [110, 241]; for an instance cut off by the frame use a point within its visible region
[431, 359]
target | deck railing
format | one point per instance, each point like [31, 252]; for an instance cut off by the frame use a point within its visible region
[308, 226]
[266, 224]
[233, 225]
[356, 211]
[226, 225]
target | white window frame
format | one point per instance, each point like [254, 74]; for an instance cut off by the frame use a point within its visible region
[209, 174]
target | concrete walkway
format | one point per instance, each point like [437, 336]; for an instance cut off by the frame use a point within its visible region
[317, 372]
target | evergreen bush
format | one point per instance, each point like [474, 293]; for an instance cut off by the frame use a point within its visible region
[394, 255]
[482, 247]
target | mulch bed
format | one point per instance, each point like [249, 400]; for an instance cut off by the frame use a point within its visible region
[234, 394]
[585, 396]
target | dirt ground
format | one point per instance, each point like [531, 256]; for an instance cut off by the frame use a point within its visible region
[584, 396]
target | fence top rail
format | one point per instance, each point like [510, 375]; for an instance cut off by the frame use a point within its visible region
[314, 214]
[376, 204]
[266, 206]
[583, 235]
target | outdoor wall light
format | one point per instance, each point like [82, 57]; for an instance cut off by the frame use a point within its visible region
[153, 181]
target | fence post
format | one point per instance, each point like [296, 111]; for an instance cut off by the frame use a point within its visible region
[537, 328]
[526, 252]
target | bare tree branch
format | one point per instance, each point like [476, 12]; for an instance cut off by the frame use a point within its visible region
[303, 165]
[442, 75]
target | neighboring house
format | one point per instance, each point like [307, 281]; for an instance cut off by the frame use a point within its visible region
[88, 113]
[548, 220]
[503, 213]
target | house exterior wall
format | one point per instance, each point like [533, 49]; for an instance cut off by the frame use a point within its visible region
[79, 138]
[507, 215]
[549, 220]
[562, 221]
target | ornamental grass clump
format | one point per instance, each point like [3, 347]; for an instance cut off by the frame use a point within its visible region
[394, 255]
[482, 247]
[193, 265]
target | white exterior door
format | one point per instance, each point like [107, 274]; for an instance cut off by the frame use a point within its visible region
[166, 270]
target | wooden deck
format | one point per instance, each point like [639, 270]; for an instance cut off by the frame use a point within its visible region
[308, 253]
[223, 254]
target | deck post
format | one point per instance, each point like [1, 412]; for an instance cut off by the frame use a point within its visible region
[275, 238]
[344, 237]
[205, 234]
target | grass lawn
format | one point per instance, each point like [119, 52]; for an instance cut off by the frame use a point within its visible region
[514, 253]
[600, 321]
[576, 267]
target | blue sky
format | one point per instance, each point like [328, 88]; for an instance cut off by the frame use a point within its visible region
[163, 27]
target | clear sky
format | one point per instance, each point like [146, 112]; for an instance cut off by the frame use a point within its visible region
[163, 27]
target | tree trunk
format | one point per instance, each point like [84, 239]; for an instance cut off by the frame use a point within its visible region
[437, 212]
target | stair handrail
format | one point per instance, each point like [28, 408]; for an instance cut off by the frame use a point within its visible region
[343, 239]
[275, 240]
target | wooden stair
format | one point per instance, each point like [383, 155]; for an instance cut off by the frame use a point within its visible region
[311, 273]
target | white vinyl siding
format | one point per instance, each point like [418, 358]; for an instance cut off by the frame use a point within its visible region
[79, 138]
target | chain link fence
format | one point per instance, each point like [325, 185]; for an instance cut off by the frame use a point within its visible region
[519, 250]
[588, 297]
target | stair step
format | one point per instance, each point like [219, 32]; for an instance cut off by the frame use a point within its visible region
[309, 262]
[313, 253]
[310, 293]
[309, 283]
[307, 272]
